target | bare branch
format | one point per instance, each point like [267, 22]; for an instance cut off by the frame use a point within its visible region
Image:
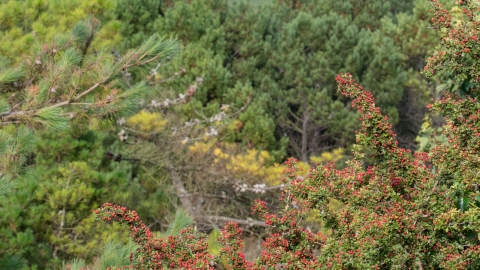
[249, 222]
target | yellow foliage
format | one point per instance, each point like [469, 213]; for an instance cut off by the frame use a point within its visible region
[304, 167]
[27, 24]
[235, 125]
[147, 122]
[312, 221]
[219, 153]
[250, 165]
[274, 174]
[251, 162]
[200, 147]
[326, 157]
[457, 15]
[214, 245]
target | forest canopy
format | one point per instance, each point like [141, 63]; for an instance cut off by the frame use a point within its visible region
[349, 127]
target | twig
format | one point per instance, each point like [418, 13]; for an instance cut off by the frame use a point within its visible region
[236, 220]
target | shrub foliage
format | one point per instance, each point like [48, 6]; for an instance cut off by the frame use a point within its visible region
[401, 211]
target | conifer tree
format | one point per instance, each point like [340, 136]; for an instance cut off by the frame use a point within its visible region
[47, 218]
[412, 34]
[27, 24]
[137, 19]
[65, 82]
[294, 48]
[243, 50]
[64, 85]
[402, 211]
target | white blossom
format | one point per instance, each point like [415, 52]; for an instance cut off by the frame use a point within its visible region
[121, 121]
[219, 117]
[155, 104]
[212, 132]
[166, 103]
[122, 135]
[224, 107]
[250, 221]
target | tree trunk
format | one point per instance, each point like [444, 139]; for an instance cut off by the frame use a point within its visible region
[304, 154]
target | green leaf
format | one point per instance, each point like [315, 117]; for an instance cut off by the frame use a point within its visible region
[6, 186]
[214, 245]
[84, 30]
[423, 142]
[462, 203]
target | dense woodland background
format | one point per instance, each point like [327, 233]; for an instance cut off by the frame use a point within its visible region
[213, 96]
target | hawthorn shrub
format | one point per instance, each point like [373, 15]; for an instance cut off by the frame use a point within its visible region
[402, 211]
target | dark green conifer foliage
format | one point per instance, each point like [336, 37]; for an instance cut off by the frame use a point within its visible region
[415, 38]
[283, 57]
[292, 50]
[65, 82]
[200, 24]
[12, 262]
[48, 217]
[137, 17]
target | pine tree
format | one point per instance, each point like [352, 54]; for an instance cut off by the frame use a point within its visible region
[412, 32]
[27, 24]
[48, 218]
[241, 50]
[402, 211]
[291, 54]
[66, 82]
[137, 19]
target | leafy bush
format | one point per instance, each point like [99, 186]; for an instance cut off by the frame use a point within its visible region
[403, 211]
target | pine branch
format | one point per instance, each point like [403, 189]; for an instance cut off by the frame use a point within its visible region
[93, 23]
[61, 75]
